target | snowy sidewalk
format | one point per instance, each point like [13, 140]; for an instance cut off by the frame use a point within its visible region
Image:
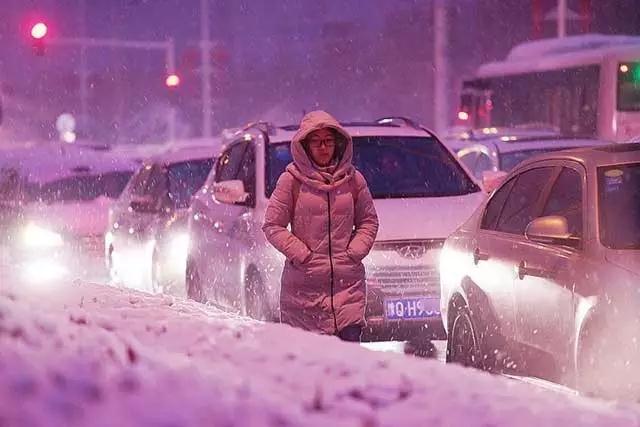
[100, 356]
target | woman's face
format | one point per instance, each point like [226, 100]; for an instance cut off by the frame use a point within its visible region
[322, 145]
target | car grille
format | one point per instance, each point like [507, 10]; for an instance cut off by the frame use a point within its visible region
[402, 269]
[398, 280]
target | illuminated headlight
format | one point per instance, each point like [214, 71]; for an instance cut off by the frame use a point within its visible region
[36, 236]
[179, 246]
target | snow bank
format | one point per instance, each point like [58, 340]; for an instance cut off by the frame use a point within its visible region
[88, 355]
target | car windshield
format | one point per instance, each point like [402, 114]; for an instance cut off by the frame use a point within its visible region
[80, 188]
[394, 167]
[619, 194]
[185, 178]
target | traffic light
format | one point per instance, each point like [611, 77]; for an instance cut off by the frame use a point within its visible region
[172, 81]
[38, 37]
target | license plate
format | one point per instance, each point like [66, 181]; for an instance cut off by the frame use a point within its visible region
[411, 308]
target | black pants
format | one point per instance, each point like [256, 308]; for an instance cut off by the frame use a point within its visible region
[350, 333]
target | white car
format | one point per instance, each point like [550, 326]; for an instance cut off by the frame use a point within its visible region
[54, 204]
[490, 158]
[421, 194]
[146, 242]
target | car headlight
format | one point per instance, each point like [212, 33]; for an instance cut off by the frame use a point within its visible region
[36, 236]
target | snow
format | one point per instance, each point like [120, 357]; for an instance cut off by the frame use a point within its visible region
[89, 355]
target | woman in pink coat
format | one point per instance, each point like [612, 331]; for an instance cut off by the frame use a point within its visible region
[333, 227]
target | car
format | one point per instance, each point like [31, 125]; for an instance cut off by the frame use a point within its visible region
[421, 194]
[489, 159]
[146, 242]
[543, 278]
[53, 209]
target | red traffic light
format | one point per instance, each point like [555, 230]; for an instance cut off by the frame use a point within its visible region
[172, 80]
[39, 30]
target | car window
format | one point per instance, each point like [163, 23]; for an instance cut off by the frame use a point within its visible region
[565, 200]
[230, 162]
[519, 208]
[495, 205]
[477, 162]
[157, 184]
[137, 184]
[247, 174]
[185, 178]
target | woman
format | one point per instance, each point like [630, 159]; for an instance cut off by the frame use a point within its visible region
[333, 227]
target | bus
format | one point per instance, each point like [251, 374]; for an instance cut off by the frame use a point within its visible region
[582, 86]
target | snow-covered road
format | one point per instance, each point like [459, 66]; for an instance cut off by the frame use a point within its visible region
[91, 355]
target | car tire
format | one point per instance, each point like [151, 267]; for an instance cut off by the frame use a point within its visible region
[463, 345]
[254, 296]
[603, 372]
[194, 284]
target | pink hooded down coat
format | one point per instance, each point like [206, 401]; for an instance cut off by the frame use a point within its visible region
[323, 281]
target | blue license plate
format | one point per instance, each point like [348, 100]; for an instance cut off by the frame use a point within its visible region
[411, 308]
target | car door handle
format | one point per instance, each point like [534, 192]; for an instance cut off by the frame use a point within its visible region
[479, 256]
[524, 270]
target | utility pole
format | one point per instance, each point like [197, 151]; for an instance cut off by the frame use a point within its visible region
[205, 67]
[84, 72]
[562, 18]
[440, 65]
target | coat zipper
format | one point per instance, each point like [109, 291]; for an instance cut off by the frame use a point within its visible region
[333, 309]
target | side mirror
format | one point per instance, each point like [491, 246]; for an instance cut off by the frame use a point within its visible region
[144, 204]
[551, 229]
[492, 179]
[230, 191]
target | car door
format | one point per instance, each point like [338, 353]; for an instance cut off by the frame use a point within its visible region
[224, 273]
[502, 228]
[545, 281]
[122, 217]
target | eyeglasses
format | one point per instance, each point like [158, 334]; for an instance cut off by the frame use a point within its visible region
[316, 143]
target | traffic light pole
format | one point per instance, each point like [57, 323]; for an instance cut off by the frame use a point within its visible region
[167, 46]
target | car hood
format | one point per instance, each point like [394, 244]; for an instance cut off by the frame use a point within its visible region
[77, 218]
[626, 259]
[424, 218]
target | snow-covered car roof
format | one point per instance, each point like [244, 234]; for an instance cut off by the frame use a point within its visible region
[47, 163]
[514, 144]
[181, 154]
[592, 157]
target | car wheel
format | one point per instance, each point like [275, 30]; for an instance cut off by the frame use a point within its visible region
[194, 284]
[255, 302]
[463, 345]
[603, 371]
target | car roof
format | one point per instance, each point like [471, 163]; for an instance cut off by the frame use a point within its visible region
[182, 154]
[593, 157]
[510, 144]
[389, 127]
[50, 162]
[524, 144]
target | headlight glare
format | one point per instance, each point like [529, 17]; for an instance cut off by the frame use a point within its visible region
[36, 236]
